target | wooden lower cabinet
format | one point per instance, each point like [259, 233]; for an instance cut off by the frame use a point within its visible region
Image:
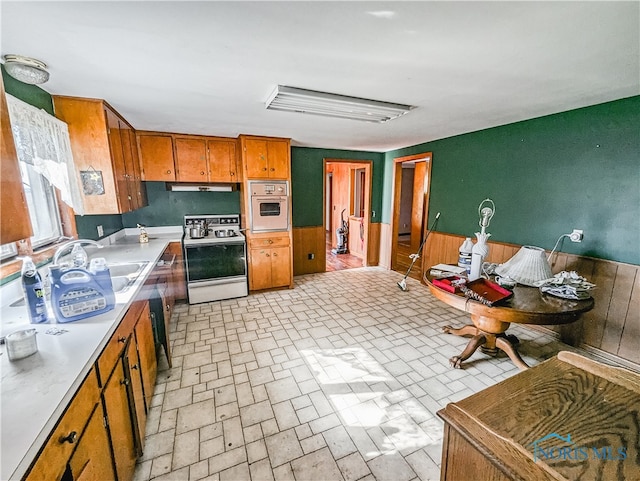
[146, 352]
[136, 391]
[91, 461]
[117, 406]
[52, 461]
[178, 279]
[101, 433]
[270, 262]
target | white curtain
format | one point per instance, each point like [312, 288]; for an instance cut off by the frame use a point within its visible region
[43, 141]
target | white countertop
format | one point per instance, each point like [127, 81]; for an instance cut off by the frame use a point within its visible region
[35, 391]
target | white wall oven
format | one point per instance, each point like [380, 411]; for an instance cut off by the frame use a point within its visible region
[269, 206]
[215, 256]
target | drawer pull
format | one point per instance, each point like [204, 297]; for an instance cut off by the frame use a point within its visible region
[70, 438]
[270, 241]
[122, 339]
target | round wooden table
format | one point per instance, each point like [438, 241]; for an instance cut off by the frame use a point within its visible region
[527, 306]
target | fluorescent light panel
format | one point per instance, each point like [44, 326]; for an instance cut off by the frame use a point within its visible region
[292, 99]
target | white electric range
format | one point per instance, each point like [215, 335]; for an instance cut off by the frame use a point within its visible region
[215, 254]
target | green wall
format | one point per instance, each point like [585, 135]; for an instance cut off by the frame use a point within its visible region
[168, 208]
[577, 169]
[87, 225]
[307, 180]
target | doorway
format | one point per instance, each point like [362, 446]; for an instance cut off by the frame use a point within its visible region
[410, 210]
[347, 212]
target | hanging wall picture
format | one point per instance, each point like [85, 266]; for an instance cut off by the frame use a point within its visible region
[92, 183]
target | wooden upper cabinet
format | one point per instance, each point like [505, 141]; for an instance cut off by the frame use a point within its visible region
[222, 160]
[279, 154]
[191, 159]
[156, 157]
[101, 144]
[15, 223]
[139, 189]
[266, 158]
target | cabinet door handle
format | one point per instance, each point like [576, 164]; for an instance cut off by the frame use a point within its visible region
[122, 339]
[272, 169]
[124, 382]
[202, 172]
[267, 254]
[168, 171]
[70, 438]
[264, 168]
[275, 254]
[232, 173]
[135, 366]
[270, 241]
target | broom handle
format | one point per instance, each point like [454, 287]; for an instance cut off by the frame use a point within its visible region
[433, 226]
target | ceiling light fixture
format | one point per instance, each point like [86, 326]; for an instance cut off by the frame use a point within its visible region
[292, 99]
[26, 69]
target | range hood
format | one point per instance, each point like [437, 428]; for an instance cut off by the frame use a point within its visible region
[189, 187]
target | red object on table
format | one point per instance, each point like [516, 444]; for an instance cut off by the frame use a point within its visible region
[446, 283]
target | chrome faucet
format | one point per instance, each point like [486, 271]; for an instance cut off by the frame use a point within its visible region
[65, 247]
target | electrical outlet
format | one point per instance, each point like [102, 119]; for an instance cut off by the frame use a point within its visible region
[576, 235]
[311, 256]
[100, 231]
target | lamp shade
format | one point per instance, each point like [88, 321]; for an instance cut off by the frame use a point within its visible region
[527, 267]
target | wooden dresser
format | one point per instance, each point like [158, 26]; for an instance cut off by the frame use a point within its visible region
[569, 418]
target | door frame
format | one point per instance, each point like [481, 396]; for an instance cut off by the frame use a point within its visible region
[397, 188]
[368, 166]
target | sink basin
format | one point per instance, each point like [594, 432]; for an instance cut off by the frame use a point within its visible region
[123, 275]
[126, 269]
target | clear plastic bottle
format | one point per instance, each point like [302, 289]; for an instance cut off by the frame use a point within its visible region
[79, 256]
[34, 293]
[464, 259]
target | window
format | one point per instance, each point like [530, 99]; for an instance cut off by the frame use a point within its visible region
[43, 211]
[43, 207]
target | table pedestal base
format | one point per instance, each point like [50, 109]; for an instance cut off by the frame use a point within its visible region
[488, 342]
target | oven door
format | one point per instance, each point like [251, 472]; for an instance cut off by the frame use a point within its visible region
[269, 213]
[207, 262]
[216, 271]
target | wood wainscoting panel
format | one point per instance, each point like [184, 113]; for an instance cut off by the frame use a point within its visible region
[309, 240]
[630, 342]
[385, 246]
[373, 250]
[611, 327]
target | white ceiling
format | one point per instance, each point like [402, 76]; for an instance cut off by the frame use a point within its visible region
[208, 67]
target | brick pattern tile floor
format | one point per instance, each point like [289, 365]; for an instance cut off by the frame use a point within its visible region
[337, 379]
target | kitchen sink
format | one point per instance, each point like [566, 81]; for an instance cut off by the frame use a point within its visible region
[126, 269]
[123, 276]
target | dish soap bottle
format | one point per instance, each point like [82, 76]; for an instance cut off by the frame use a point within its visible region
[144, 237]
[33, 292]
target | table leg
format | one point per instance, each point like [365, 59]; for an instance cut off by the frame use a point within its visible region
[475, 342]
[468, 330]
[504, 344]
